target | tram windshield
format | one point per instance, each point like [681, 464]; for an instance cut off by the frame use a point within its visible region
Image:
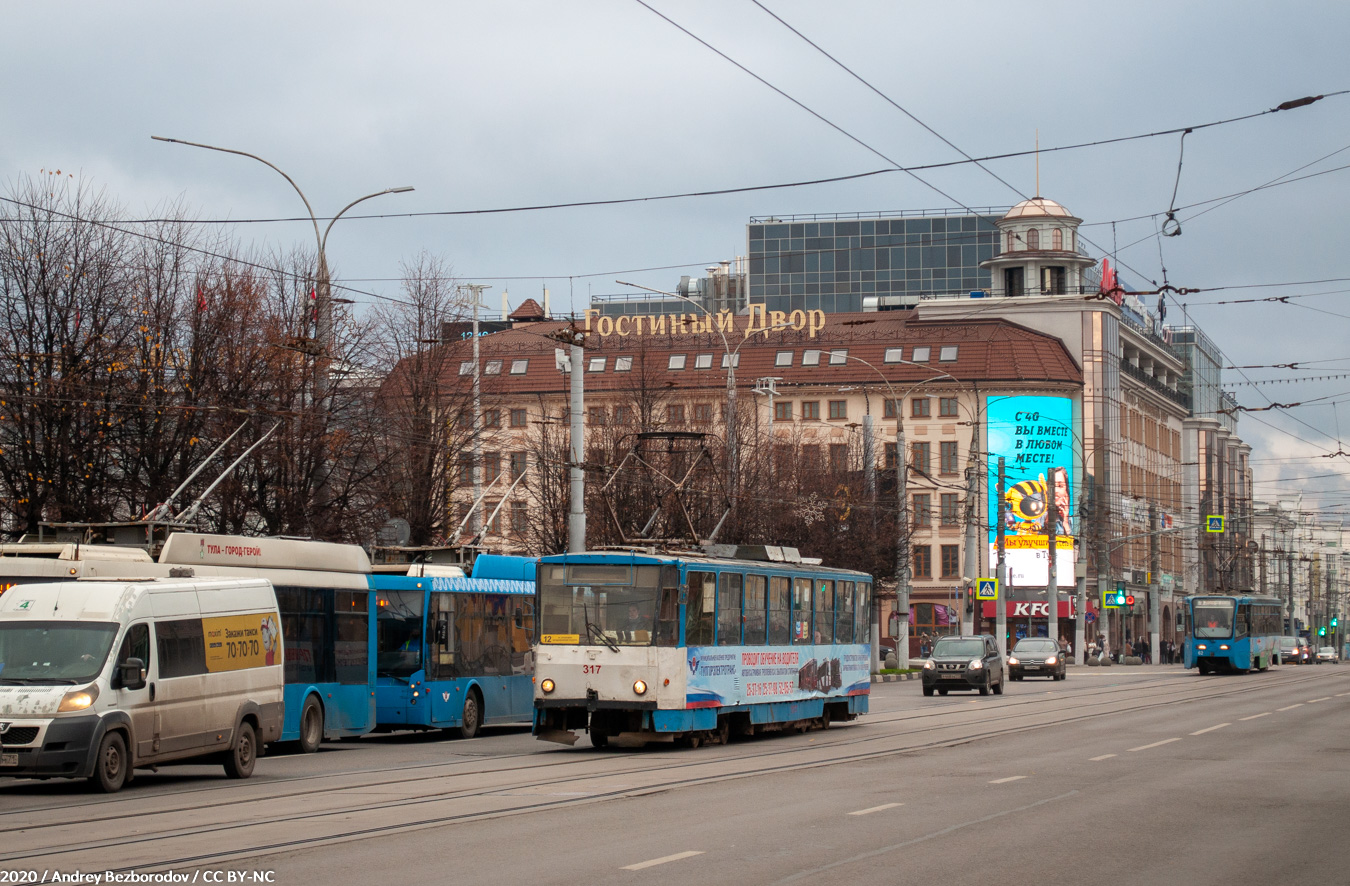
[1212, 619]
[400, 633]
[55, 652]
[614, 604]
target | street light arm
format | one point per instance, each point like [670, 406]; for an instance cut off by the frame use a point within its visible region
[324, 241]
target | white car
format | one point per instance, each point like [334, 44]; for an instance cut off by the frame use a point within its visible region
[1327, 653]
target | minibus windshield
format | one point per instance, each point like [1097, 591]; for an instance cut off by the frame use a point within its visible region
[54, 652]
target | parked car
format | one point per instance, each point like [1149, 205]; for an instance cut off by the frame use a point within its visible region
[1290, 650]
[964, 663]
[1327, 654]
[1036, 657]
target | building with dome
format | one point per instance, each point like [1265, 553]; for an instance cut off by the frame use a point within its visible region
[1039, 253]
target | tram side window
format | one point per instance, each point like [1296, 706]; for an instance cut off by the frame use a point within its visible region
[843, 609]
[729, 610]
[1244, 619]
[824, 612]
[756, 588]
[668, 615]
[699, 606]
[801, 610]
[864, 612]
[780, 610]
[351, 654]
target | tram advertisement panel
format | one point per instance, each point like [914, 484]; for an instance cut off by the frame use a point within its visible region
[731, 675]
[1034, 435]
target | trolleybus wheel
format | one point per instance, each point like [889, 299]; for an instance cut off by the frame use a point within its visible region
[111, 766]
[473, 715]
[239, 759]
[311, 725]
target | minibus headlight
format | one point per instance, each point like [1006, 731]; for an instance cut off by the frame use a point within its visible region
[640, 687]
[546, 685]
[78, 699]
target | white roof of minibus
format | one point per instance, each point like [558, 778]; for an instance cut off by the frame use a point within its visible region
[114, 599]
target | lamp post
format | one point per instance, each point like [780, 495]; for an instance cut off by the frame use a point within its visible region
[323, 300]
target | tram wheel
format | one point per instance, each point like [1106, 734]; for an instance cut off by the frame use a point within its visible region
[691, 740]
[599, 739]
[311, 725]
[472, 720]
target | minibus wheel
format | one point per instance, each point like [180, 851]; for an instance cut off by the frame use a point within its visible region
[243, 754]
[111, 766]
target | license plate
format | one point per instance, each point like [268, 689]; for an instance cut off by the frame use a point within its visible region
[9, 759]
[1032, 668]
[953, 676]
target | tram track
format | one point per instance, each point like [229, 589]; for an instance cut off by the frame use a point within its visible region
[746, 761]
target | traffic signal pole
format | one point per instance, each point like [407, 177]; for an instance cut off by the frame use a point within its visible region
[1154, 566]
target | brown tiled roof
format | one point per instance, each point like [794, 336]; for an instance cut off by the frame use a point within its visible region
[988, 351]
[528, 310]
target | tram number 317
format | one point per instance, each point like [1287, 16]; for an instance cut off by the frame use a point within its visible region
[590, 669]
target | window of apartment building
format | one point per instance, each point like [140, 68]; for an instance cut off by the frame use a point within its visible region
[520, 518]
[947, 354]
[947, 407]
[676, 361]
[890, 456]
[948, 457]
[623, 364]
[782, 358]
[623, 415]
[518, 367]
[810, 460]
[810, 410]
[495, 526]
[839, 457]
[782, 410]
[810, 358]
[703, 413]
[466, 368]
[492, 466]
[839, 357]
[492, 367]
[919, 408]
[731, 360]
[519, 462]
[596, 364]
[703, 361]
[597, 415]
[921, 509]
[466, 470]
[675, 414]
[951, 509]
[492, 418]
[921, 561]
[921, 354]
[894, 355]
[951, 561]
[920, 456]
[519, 418]
[838, 409]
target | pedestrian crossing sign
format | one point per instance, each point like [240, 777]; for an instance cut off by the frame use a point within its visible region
[986, 589]
[1214, 523]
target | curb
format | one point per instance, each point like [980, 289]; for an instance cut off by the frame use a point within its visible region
[894, 678]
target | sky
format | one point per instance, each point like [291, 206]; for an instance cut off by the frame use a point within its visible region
[483, 106]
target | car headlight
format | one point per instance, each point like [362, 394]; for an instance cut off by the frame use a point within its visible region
[1012, 659]
[78, 699]
[928, 664]
[1051, 660]
[640, 687]
[976, 664]
[546, 685]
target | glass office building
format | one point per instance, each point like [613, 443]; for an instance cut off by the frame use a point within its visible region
[838, 262]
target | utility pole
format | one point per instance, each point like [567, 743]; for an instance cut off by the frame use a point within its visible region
[901, 544]
[475, 522]
[576, 518]
[1000, 605]
[1052, 570]
[1154, 566]
[973, 502]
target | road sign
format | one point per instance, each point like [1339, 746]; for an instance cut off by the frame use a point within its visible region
[1214, 523]
[986, 589]
[1113, 600]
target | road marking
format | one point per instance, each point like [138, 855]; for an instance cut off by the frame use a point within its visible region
[1342, 694]
[1154, 745]
[1008, 779]
[1291, 707]
[1257, 716]
[655, 861]
[876, 809]
[1316, 700]
[1102, 757]
[1211, 729]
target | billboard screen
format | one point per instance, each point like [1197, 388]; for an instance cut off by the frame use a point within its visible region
[1034, 435]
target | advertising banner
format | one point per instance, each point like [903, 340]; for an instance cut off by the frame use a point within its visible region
[729, 675]
[1034, 435]
[235, 642]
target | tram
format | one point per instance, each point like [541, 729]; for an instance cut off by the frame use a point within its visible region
[697, 646]
[1234, 634]
[454, 651]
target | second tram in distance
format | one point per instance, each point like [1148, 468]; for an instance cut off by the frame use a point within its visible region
[696, 647]
[1232, 633]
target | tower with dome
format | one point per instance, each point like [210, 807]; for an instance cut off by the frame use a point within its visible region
[1038, 254]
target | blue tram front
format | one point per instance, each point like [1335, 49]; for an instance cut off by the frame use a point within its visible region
[662, 646]
[1232, 633]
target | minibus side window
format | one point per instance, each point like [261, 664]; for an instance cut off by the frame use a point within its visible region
[136, 644]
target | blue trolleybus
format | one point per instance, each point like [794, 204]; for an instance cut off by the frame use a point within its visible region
[695, 647]
[1232, 633]
[454, 651]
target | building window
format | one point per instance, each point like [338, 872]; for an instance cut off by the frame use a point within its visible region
[494, 527]
[702, 413]
[520, 517]
[466, 470]
[623, 364]
[676, 361]
[703, 361]
[1053, 280]
[947, 354]
[1057, 239]
[921, 509]
[596, 364]
[596, 415]
[519, 418]
[810, 358]
[947, 407]
[492, 466]
[921, 561]
[921, 354]
[731, 360]
[1009, 242]
[492, 418]
[838, 457]
[518, 367]
[838, 358]
[493, 367]
[675, 415]
[519, 462]
[811, 410]
[623, 415]
[948, 457]
[918, 408]
[1013, 281]
[920, 454]
[890, 456]
[783, 358]
[889, 408]
[782, 410]
[466, 368]
[1033, 238]
[951, 509]
[951, 561]
[838, 409]
[894, 355]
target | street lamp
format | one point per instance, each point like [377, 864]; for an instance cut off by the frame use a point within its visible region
[323, 301]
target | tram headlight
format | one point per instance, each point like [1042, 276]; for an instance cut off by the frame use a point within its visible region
[640, 687]
[1224, 647]
[976, 664]
[1202, 647]
[546, 685]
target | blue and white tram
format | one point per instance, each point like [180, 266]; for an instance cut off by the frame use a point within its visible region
[695, 647]
[1232, 633]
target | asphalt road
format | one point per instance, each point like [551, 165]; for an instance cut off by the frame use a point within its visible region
[1133, 775]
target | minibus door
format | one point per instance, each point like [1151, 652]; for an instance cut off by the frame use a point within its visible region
[137, 698]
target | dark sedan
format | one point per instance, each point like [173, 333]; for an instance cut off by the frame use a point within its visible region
[1036, 657]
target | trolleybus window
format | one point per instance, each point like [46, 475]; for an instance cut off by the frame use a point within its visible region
[604, 603]
[400, 633]
[756, 588]
[824, 612]
[801, 610]
[698, 609]
[351, 652]
[780, 610]
[843, 623]
[729, 610]
[1213, 618]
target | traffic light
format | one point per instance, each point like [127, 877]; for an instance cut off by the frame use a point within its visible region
[1335, 619]
[1322, 631]
[1129, 600]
